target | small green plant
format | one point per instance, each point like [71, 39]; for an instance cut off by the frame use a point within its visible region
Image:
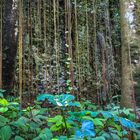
[88, 105]
[57, 123]
[107, 124]
[1, 93]
[30, 125]
[35, 122]
[62, 102]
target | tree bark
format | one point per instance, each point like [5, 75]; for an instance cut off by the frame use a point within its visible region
[127, 89]
[9, 44]
[1, 10]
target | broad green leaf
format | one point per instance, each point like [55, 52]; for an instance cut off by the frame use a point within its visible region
[58, 123]
[76, 104]
[87, 130]
[57, 118]
[115, 136]
[62, 100]
[21, 122]
[14, 103]
[1, 95]
[45, 134]
[94, 114]
[40, 118]
[43, 97]
[3, 109]
[41, 137]
[99, 138]
[68, 125]
[35, 112]
[2, 91]
[3, 102]
[19, 138]
[99, 122]
[5, 133]
[3, 121]
[127, 123]
[88, 118]
[56, 128]
[106, 136]
[107, 114]
[63, 138]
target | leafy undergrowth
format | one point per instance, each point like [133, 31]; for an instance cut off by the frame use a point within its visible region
[71, 122]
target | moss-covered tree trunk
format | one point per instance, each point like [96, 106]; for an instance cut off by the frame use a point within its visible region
[9, 43]
[127, 89]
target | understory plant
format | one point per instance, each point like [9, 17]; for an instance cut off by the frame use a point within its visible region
[66, 119]
[62, 102]
[101, 125]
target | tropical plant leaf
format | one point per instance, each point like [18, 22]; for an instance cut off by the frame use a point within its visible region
[107, 114]
[99, 121]
[87, 130]
[115, 136]
[127, 123]
[3, 102]
[62, 100]
[2, 91]
[1, 95]
[3, 109]
[43, 97]
[3, 121]
[57, 118]
[99, 138]
[19, 138]
[55, 127]
[5, 133]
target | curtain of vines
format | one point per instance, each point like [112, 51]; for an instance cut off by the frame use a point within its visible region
[64, 47]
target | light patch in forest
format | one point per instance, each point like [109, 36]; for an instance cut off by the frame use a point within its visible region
[129, 15]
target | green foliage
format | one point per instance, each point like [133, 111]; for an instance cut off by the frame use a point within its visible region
[19, 138]
[5, 132]
[39, 123]
[13, 126]
[45, 134]
[62, 100]
[58, 123]
[88, 105]
[87, 130]
[1, 93]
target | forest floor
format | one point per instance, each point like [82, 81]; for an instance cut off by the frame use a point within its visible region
[61, 117]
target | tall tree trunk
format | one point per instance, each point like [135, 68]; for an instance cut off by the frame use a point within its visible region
[1, 10]
[127, 88]
[138, 28]
[137, 55]
[9, 44]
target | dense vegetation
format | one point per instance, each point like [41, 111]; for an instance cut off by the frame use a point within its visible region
[69, 70]
[65, 119]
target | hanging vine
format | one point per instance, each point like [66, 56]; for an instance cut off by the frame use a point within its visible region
[77, 51]
[69, 47]
[69, 42]
[56, 43]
